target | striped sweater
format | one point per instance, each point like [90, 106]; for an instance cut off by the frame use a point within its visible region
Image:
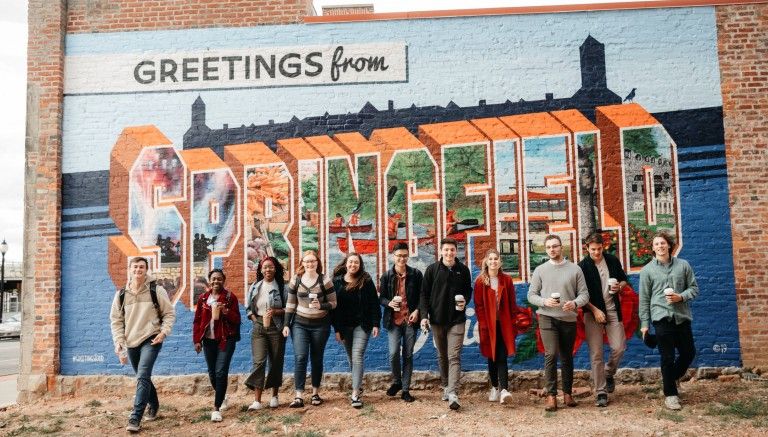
[297, 308]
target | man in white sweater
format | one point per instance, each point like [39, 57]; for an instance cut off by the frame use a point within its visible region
[141, 318]
[558, 288]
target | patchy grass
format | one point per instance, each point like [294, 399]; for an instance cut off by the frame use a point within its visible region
[290, 419]
[93, 403]
[550, 414]
[265, 429]
[741, 408]
[369, 410]
[52, 428]
[650, 388]
[202, 415]
[670, 415]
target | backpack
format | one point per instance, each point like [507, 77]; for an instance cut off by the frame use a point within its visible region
[152, 294]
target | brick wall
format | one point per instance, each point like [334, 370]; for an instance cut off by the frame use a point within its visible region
[743, 73]
[742, 31]
[126, 15]
[42, 276]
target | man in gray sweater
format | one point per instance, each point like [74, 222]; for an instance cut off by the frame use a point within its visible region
[558, 288]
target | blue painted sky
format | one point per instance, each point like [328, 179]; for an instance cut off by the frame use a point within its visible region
[669, 55]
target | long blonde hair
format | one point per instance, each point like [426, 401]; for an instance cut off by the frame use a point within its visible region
[319, 269]
[484, 275]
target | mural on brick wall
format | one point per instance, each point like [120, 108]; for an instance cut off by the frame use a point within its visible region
[335, 165]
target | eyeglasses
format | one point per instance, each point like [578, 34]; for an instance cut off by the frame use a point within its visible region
[401, 255]
[554, 246]
[309, 261]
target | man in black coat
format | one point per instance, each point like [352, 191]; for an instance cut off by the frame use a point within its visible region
[445, 293]
[605, 278]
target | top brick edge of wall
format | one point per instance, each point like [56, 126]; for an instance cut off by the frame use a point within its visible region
[524, 10]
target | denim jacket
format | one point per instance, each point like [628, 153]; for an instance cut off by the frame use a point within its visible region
[277, 299]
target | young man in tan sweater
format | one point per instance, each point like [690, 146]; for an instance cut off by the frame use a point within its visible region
[141, 319]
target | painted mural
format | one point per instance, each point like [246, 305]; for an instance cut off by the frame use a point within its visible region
[341, 167]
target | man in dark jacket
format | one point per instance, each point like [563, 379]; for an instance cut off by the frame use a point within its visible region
[399, 293]
[605, 278]
[445, 292]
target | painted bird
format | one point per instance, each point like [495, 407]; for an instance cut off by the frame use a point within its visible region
[631, 96]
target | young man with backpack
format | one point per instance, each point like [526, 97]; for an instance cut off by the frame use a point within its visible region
[141, 318]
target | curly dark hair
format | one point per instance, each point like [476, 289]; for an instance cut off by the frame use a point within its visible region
[279, 271]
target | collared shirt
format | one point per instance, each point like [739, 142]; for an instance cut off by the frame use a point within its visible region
[655, 277]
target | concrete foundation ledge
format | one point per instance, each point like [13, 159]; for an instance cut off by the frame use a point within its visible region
[32, 387]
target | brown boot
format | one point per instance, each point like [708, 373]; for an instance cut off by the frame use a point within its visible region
[568, 400]
[551, 403]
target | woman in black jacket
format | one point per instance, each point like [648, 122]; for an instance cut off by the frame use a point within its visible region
[357, 315]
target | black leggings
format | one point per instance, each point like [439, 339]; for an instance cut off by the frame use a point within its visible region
[498, 370]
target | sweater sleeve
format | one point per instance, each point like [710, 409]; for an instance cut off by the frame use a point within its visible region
[582, 298]
[692, 288]
[534, 290]
[645, 299]
[117, 321]
[374, 307]
[291, 302]
[330, 296]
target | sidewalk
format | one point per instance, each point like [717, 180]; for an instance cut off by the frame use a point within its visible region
[8, 390]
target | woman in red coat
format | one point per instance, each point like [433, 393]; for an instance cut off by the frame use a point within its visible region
[215, 330]
[496, 309]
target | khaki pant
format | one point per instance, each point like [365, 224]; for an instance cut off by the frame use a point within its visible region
[558, 337]
[616, 340]
[448, 341]
[266, 344]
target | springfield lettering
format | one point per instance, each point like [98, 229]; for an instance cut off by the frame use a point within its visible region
[239, 68]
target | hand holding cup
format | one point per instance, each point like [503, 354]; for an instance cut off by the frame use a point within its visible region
[461, 302]
[613, 285]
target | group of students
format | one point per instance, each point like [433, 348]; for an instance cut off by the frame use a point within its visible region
[308, 305]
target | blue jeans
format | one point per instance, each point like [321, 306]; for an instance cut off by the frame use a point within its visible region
[355, 342]
[406, 334]
[309, 341]
[218, 366]
[142, 358]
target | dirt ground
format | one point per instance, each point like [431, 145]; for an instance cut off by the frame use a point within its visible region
[710, 407]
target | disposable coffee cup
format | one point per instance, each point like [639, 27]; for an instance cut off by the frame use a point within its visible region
[669, 291]
[556, 296]
[216, 310]
[397, 300]
[611, 283]
[266, 320]
[312, 296]
[460, 302]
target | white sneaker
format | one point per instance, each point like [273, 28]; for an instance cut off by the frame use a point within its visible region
[505, 396]
[453, 402]
[274, 403]
[493, 396]
[216, 416]
[256, 405]
[224, 404]
[445, 395]
[672, 402]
